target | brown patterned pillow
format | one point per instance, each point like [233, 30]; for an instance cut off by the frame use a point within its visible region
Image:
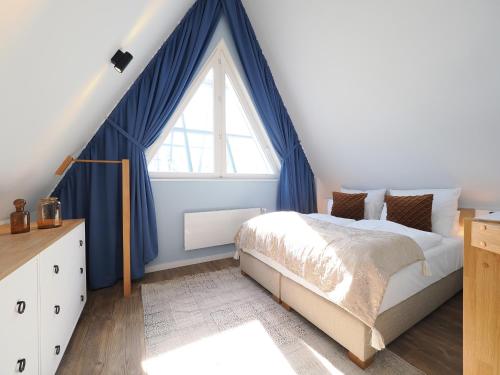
[412, 211]
[349, 206]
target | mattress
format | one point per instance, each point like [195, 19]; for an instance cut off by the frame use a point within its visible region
[443, 259]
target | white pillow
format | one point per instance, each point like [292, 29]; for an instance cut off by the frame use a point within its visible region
[444, 207]
[457, 231]
[374, 201]
[329, 206]
[332, 219]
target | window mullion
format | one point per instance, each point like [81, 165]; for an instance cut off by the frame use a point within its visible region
[219, 120]
[228, 162]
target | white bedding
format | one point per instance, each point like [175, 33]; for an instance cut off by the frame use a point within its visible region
[443, 260]
[332, 219]
[444, 255]
[425, 240]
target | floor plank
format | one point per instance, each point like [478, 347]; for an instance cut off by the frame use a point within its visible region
[434, 345]
[109, 338]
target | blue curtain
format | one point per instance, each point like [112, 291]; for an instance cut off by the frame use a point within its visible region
[94, 191]
[296, 185]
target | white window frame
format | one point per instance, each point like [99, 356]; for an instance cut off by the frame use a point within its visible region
[222, 63]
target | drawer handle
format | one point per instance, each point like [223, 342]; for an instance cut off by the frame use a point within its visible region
[57, 309]
[482, 243]
[21, 306]
[56, 269]
[58, 349]
[82, 297]
[21, 364]
[81, 269]
[81, 243]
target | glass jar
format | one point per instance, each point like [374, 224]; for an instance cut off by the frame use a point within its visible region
[49, 213]
[20, 219]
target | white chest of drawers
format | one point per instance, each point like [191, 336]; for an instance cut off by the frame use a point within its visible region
[42, 294]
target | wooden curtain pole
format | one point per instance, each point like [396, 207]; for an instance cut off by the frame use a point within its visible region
[127, 279]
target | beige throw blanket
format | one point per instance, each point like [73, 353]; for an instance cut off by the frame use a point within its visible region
[353, 266]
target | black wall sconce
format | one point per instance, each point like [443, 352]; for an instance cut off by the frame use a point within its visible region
[120, 60]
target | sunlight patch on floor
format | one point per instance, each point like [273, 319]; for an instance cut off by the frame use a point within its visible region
[246, 349]
[328, 366]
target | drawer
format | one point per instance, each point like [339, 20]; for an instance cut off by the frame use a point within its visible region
[82, 296]
[62, 271]
[57, 314]
[19, 321]
[53, 344]
[62, 285]
[63, 259]
[78, 279]
[486, 235]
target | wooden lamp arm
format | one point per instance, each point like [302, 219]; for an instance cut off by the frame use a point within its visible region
[70, 159]
[64, 165]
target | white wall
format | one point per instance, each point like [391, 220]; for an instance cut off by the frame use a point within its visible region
[391, 93]
[176, 197]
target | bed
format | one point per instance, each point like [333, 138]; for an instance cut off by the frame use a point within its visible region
[408, 298]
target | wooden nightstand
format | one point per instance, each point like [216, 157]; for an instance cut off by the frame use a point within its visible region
[482, 297]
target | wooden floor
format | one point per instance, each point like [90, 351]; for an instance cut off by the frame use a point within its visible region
[109, 338]
[434, 345]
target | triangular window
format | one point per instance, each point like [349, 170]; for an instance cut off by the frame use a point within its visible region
[216, 131]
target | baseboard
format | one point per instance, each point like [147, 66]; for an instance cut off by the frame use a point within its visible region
[187, 262]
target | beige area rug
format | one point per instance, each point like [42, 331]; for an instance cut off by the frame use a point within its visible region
[224, 323]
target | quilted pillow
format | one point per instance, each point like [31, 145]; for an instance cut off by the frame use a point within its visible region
[349, 206]
[444, 207]
[374, 202]
[413, 211]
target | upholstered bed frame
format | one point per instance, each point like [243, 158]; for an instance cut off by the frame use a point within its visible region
[339, 324]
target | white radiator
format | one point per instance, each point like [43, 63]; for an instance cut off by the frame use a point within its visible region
[213, 228]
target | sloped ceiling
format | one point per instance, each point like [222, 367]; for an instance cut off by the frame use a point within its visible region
[391, 93]
[382, 93]
[57, 84]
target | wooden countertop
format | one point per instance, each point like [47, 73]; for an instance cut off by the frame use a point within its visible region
[493, 217]
[17, 249]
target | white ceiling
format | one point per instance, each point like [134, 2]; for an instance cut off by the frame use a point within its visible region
[382, 93]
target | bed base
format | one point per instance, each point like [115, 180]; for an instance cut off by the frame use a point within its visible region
[358, 362]
[286, 306]
[274, 295]
[340, 325]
